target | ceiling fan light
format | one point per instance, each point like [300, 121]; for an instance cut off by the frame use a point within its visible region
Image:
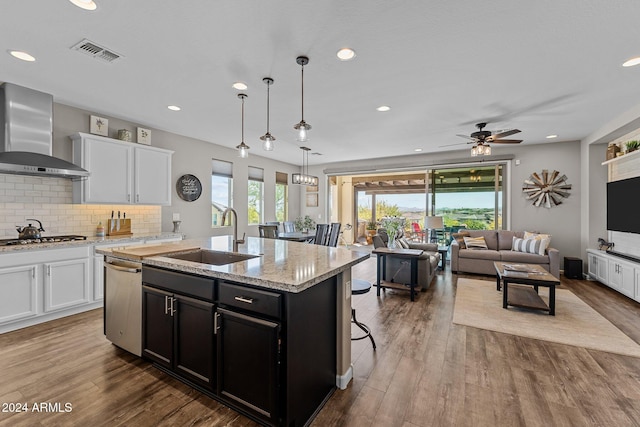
[487, 150]
[474, 151]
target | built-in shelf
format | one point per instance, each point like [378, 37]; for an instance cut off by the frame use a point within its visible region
[623, 157]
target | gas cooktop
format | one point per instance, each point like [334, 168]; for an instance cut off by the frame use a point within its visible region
[43, 239]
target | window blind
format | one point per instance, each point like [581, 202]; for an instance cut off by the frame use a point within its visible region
[222, 168]
[256, 174]
[282, 178]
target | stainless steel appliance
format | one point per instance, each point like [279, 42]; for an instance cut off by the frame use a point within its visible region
[123, 304]
[26, 135]
[42, 239]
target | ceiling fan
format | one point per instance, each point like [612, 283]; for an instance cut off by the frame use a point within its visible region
[481, 139]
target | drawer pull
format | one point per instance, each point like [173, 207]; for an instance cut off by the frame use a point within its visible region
[243, 299]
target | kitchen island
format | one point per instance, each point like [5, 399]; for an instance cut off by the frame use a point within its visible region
[267, 334]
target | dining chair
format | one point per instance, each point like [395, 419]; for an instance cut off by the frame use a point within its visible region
[276, 223]
[417, 231]
[321, 234]
[289, 226]
[268, 231]
[334, 233]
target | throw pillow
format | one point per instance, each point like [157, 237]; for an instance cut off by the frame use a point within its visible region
[530, 246]
[475, 242]
[536, 235]
[460, 238]
[403, 243]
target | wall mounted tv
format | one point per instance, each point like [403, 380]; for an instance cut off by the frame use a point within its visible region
[621, 212]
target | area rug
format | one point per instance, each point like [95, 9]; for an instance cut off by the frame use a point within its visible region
[479, 305]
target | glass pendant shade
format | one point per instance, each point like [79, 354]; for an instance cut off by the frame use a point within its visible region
[267, 138]
[303, 126]
[474, 151]
[243, 149]
[267, 145]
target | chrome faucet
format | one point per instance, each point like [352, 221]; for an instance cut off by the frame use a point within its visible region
[236, 241]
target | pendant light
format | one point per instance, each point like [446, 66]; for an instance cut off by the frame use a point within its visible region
[304, 178]
[303, 126]
[243, 149]
[267, 138]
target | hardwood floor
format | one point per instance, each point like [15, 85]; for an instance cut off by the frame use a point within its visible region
[425, 372]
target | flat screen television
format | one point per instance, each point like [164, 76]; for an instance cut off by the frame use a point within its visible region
[622, 214]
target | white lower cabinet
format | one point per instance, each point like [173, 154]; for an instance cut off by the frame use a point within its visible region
[18, 293]
[618, 274]
[41, 285]
[622, 277]
[598, 267]
[66, 284]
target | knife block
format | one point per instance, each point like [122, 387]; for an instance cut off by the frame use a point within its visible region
[125, 227]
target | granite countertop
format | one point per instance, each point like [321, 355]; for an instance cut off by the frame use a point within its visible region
[97, 241]
[282, 265]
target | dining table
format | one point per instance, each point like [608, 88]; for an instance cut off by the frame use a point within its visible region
[296, 236]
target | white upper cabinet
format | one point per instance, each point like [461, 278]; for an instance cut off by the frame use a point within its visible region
[121, 172]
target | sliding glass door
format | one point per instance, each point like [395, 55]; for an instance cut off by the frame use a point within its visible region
[469, 197]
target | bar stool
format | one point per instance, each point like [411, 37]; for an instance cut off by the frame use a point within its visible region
[359, 287]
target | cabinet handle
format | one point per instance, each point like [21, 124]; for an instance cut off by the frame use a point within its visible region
[216, 315]
[166, 304]
[243, 299]
[48, 270]
[33, 272]
[172, 309]
[137, 197]
[128, 197]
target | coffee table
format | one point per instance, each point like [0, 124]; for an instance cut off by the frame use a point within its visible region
[526, 274]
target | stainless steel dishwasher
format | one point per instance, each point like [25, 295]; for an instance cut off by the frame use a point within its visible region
[123, 304]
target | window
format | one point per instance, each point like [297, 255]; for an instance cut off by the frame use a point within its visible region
[221, 189]
[470, 197]
[255, 198]
[282, 197]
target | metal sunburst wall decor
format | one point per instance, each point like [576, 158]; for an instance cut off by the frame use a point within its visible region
[546, 189]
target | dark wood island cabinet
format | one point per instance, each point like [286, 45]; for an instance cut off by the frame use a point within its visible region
[268, 354]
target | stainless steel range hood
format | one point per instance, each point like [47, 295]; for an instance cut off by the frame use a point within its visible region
[26, 136]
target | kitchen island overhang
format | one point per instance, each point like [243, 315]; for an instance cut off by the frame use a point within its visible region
[286, 267]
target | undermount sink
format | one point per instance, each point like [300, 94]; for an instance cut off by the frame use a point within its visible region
[206, 256]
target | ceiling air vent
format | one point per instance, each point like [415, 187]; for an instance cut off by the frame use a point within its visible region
[96, 51]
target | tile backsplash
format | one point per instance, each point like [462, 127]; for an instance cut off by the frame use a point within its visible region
[50, 201]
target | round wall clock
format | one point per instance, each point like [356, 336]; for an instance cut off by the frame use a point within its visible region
[189, 187]
[546, 189]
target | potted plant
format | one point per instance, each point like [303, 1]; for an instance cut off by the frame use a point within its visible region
[305, 224]
[632, 145]
[392, 227]
[372, 227]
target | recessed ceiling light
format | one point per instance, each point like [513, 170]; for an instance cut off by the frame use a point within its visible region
[417, 150]
[85, 4]
[174, 108]
[346, 54]
[551, 136]
[239, 86]
[631, 62]
[383, 108]
[22, 55]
